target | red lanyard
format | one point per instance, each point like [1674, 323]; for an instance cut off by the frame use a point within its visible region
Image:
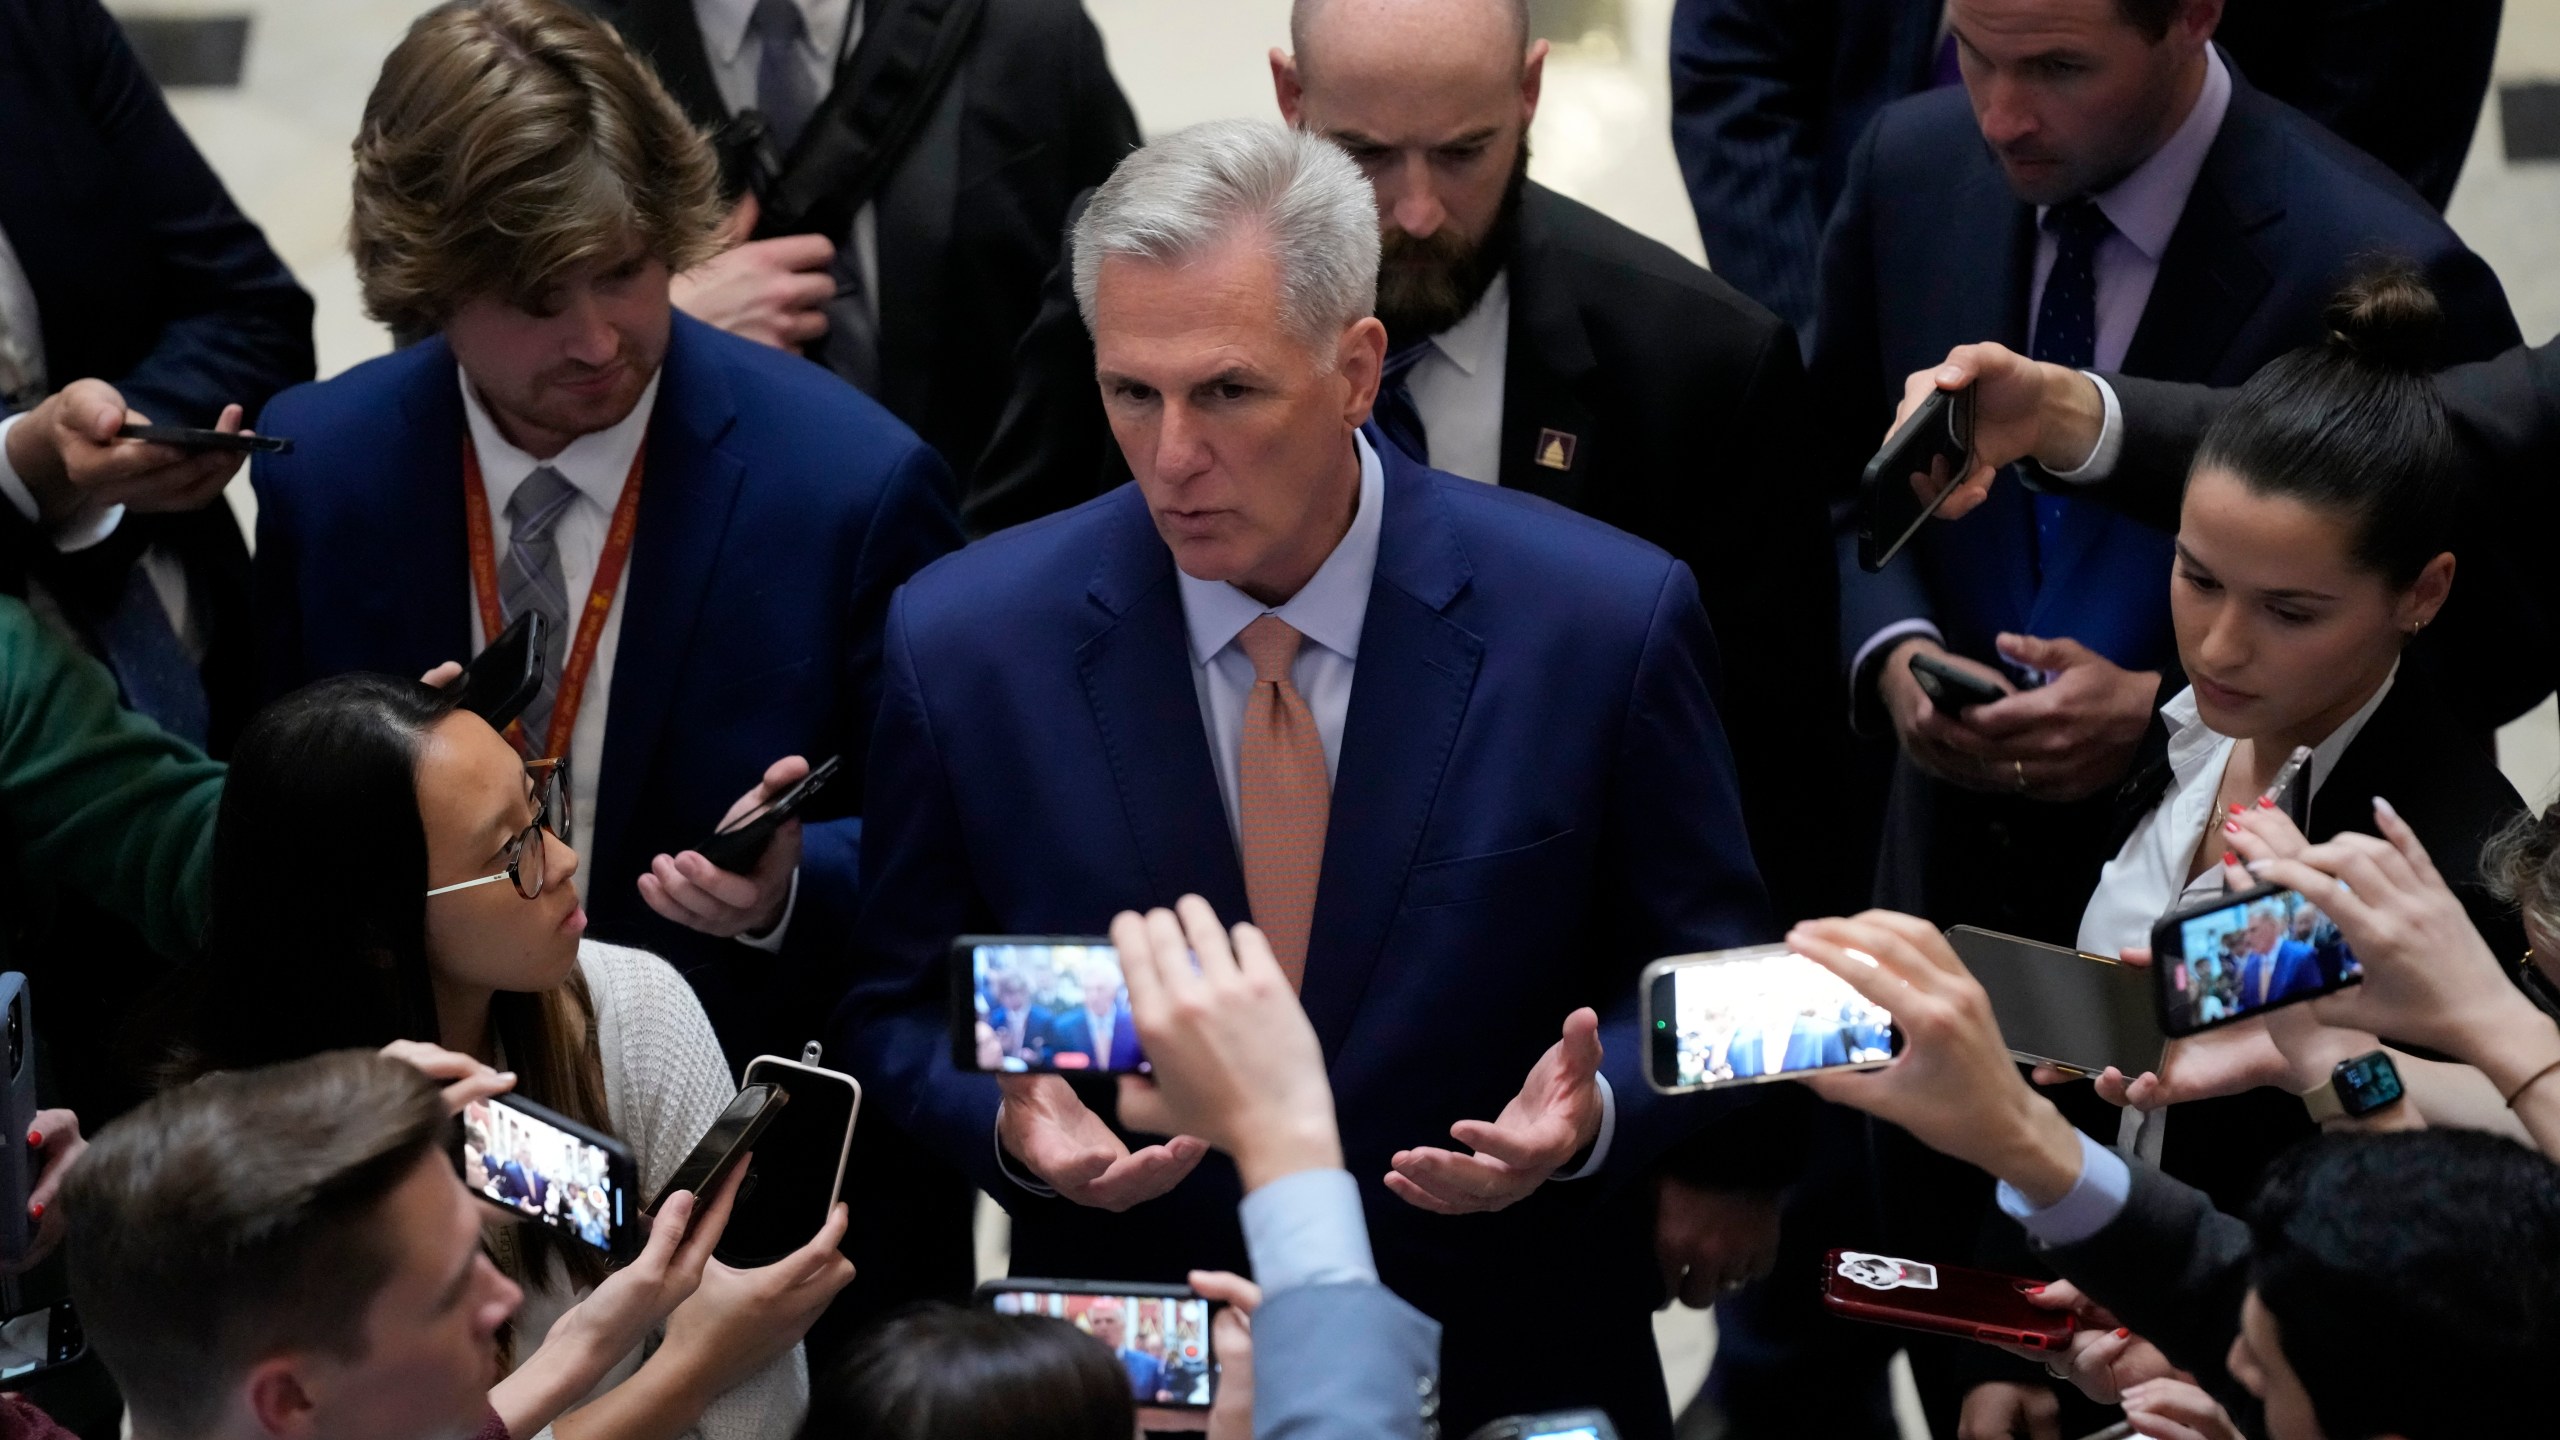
[609, 565]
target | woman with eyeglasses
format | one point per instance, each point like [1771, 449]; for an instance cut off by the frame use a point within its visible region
[388, 867]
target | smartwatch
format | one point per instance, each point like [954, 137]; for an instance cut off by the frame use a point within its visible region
[2357, 1088]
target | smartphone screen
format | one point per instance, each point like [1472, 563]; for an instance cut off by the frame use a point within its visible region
[1936, 441]
[526, 1161]
[2246, 955]
[799, 1163]
[1026, 1002]
[730, 1136]
[1765, 1013]
[1161, 1340]
[40, 1340]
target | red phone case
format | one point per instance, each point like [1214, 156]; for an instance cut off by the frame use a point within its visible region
[1941, 1299]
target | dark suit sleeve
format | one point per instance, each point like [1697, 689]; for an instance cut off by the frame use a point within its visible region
[275, 580]
[1052, 447]
[907, 529]
[918, 896]
[237, 326]
[1678, 876]
[2164, 423]
[1847, 373]
[1746, 86]
[2174, 1270]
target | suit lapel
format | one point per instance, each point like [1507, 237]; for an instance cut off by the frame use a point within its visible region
[1408, 695]
[1547, 361]
[688, 488]
[418, 592]
[1137, 678]
[2215, 273]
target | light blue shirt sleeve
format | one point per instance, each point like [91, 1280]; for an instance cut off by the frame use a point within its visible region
[1307, 1229]
[2091, 1205]
[1600, 1141]
[2110, 447]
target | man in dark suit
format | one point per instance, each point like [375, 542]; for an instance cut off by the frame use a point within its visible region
[1100, 1029]
[729, 522]
[1768, 98]
[909, 269]
[131, 287]
[1524, 797]
[1537, 345]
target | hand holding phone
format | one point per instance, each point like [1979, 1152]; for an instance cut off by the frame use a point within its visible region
[737, 846]
[1021, 1004]
[539, 1166]
[1760, 1013]
[2226, 959]
[1942, 1299]
[729, 1140]
[188, 437]
[798, 1164]
[1936, 442]
[1949, 688]
[507, 673]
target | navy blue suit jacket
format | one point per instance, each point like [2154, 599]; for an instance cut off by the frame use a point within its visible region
[779, 509]
[1533, 799]
[1930, 249]
[1073, 1030]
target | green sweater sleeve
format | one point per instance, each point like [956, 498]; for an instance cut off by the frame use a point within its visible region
[97, 799]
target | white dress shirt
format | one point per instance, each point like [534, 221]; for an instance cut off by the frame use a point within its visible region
[834, 27]
[2144, 208]
[595, 466]
[1457, 387]
[2148, 878]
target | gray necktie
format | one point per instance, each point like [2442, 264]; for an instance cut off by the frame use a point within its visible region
[784, 92]
[531, 579]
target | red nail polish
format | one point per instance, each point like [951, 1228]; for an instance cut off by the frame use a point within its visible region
[2124, 1334]
[2237, 808]
[35, 1211]
[2230, 858]
[2231, 827]
[35, 1139]
[2264, 803]
[2035, 1289]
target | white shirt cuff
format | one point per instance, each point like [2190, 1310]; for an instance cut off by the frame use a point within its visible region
[1600, 1142]
[2091, 1205]
[770, 942]
[1898, 630]
[2102, 459]
[83, 531]
[1015, 1172]
[1307, 1229]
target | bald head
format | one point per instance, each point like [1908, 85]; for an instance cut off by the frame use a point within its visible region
[1421, 29]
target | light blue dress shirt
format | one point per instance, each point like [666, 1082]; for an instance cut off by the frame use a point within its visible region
[2091, 1205]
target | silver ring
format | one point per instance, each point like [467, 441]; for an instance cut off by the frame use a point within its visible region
[2062, 1374]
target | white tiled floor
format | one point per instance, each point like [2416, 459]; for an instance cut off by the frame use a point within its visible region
[1602, 137]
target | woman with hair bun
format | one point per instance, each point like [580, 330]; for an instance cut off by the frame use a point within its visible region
[2315, 540]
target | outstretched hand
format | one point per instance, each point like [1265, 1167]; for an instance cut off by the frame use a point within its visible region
[1555, 1116]
[1042, 1124]
[2022, 409]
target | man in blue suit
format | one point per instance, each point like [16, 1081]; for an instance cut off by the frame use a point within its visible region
[1522, 797]
[1100, 1029]
[712, 528]
[1110, 1325]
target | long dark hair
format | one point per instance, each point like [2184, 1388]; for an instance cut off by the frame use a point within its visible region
[2354, 425]
[319, 932]
[942, 1371]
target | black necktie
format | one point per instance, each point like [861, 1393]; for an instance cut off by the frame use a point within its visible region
[1397, 418]
[2067, 321]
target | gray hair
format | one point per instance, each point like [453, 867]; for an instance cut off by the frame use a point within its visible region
[1192, 190]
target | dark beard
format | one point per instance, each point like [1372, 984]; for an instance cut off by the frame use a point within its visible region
[1426, 286]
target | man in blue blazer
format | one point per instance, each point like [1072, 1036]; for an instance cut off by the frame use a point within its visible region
[1100, 1029]
[1523, 798]
[772, 509]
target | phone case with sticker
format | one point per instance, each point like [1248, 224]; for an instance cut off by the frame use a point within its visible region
[1942, 1299]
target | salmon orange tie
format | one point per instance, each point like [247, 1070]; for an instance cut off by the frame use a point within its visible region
[1285, 797]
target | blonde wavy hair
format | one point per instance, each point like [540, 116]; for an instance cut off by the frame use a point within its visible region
[508, 142]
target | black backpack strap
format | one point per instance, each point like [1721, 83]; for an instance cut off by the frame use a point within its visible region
[883, 91]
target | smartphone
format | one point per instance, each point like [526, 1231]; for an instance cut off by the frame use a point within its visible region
[798, 1167]
[1159, 1332]
[187, 437]
[1944, 1299]
[539, 1166]
[41, 1339]
[1950, 689]
[1937, 441]
[1739, 1017]
[1041, 1002]
[2058, 1007]
[17, 1119]
[507, 673]
[2243, 955]
[2290, 790]
[737, 848]
[723, 1145]
[1553, 1425]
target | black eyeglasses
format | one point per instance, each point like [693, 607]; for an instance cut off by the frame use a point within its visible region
[524, 852]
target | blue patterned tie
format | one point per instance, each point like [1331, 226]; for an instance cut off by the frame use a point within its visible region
[150, 662]
[531, 579]
[783, 90]
[2067, 325]
[1395, 413]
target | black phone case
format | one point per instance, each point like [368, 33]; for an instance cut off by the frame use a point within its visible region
[738, 850]
[1941, 427]
[1950, 689]
[17, 1166]
[724, 1162]
[498, 697]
